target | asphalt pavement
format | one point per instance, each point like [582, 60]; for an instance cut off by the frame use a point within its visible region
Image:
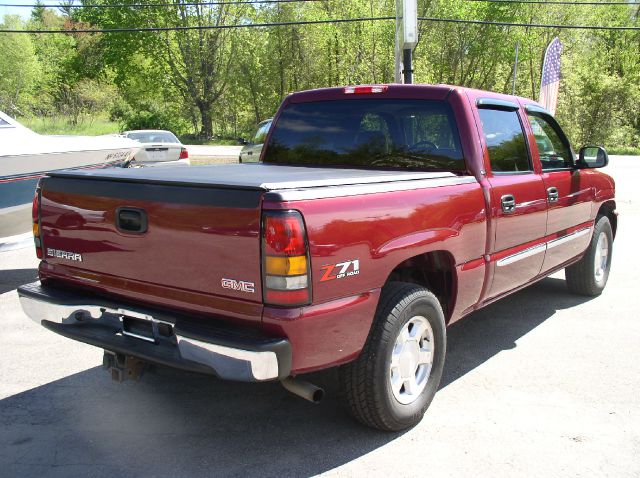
[541, 384]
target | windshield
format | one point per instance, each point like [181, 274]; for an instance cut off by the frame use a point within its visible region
[383, 133]
[153, 137]
[261, 134]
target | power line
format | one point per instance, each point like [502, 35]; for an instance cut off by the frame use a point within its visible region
[202, 27]
[532, 25]
[553, 2]
[253, 2]
[319, 22]
[153, 5]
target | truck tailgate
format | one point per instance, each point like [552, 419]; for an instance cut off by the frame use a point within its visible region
[151, 239]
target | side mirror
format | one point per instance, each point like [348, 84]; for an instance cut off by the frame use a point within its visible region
[243, 141]
[593, 157]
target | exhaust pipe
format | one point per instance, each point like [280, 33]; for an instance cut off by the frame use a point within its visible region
[303, 389]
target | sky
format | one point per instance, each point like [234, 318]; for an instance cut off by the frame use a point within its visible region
[23, 12]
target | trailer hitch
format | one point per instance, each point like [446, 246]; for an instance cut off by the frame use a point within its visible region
[123, 367]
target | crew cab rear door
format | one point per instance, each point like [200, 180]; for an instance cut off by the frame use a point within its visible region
[568, 223]
[518, 197]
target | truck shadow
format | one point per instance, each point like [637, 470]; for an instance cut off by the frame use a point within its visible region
[173, 423]
[11, 279]
[481, 335]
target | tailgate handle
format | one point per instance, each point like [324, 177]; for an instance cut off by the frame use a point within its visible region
[130, 219]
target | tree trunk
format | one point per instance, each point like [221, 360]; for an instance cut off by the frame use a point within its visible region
[206, 132]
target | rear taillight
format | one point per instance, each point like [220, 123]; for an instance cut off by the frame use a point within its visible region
[184, 154]
[35, 219]
[286, 273]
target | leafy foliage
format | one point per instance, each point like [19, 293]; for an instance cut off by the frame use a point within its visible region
[19, 69]
[221, 83]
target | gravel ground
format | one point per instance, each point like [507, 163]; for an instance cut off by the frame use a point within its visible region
[543, 383]
[204, 154]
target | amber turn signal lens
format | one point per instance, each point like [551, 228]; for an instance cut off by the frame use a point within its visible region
[286, 266]
[36, 229]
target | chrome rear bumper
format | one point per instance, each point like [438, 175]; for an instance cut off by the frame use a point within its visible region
[197, 344]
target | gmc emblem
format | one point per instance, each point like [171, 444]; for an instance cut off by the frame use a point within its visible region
[240, 285]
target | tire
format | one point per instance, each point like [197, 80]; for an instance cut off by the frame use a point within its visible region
[377, 387]
[585, 277]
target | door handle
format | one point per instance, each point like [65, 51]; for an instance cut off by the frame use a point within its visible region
[552, 194]
[508, 203]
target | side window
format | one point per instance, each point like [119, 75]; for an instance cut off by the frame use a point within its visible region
[505, 141]
[553, 147]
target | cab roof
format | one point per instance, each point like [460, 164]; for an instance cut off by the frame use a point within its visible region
[400, 91]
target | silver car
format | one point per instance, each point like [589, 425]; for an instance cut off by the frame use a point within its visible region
[252, 149]
[159, 148]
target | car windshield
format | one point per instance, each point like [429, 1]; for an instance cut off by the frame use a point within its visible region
[153, 137]
[380, 133]
[261, 134]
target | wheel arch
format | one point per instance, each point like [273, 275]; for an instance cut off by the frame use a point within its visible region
[608, 209]
[434, 270]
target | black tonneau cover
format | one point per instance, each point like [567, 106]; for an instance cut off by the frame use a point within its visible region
[264, 177]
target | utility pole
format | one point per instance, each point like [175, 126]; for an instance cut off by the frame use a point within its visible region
[406, 39]
[515, 70]
[408, 65]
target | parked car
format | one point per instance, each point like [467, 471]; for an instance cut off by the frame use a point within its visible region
[159, 148]
[252, 149]
[378, 216]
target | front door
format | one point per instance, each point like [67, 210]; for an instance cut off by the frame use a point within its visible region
[568, 223]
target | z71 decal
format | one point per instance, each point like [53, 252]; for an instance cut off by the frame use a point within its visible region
[340, 270]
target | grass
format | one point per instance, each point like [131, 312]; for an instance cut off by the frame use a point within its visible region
[192, 139]
[94, 126]
[62, 125]
[624, 150]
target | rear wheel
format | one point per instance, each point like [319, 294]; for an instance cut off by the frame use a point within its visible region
[393, 381]
[589, 275]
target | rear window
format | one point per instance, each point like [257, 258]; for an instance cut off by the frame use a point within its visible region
[153, 137]
[380, 133]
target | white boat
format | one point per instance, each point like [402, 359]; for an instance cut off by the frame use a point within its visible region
[26, 156]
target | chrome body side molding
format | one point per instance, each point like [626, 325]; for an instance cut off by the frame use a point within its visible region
[531, 251]
[568, 238]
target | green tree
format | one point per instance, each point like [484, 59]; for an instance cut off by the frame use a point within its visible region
[222, 82]
[196, 63]
[19, 68]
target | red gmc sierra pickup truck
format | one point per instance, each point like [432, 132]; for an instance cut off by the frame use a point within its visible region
[377, 216]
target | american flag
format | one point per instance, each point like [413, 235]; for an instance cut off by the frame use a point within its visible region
[551, 76]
